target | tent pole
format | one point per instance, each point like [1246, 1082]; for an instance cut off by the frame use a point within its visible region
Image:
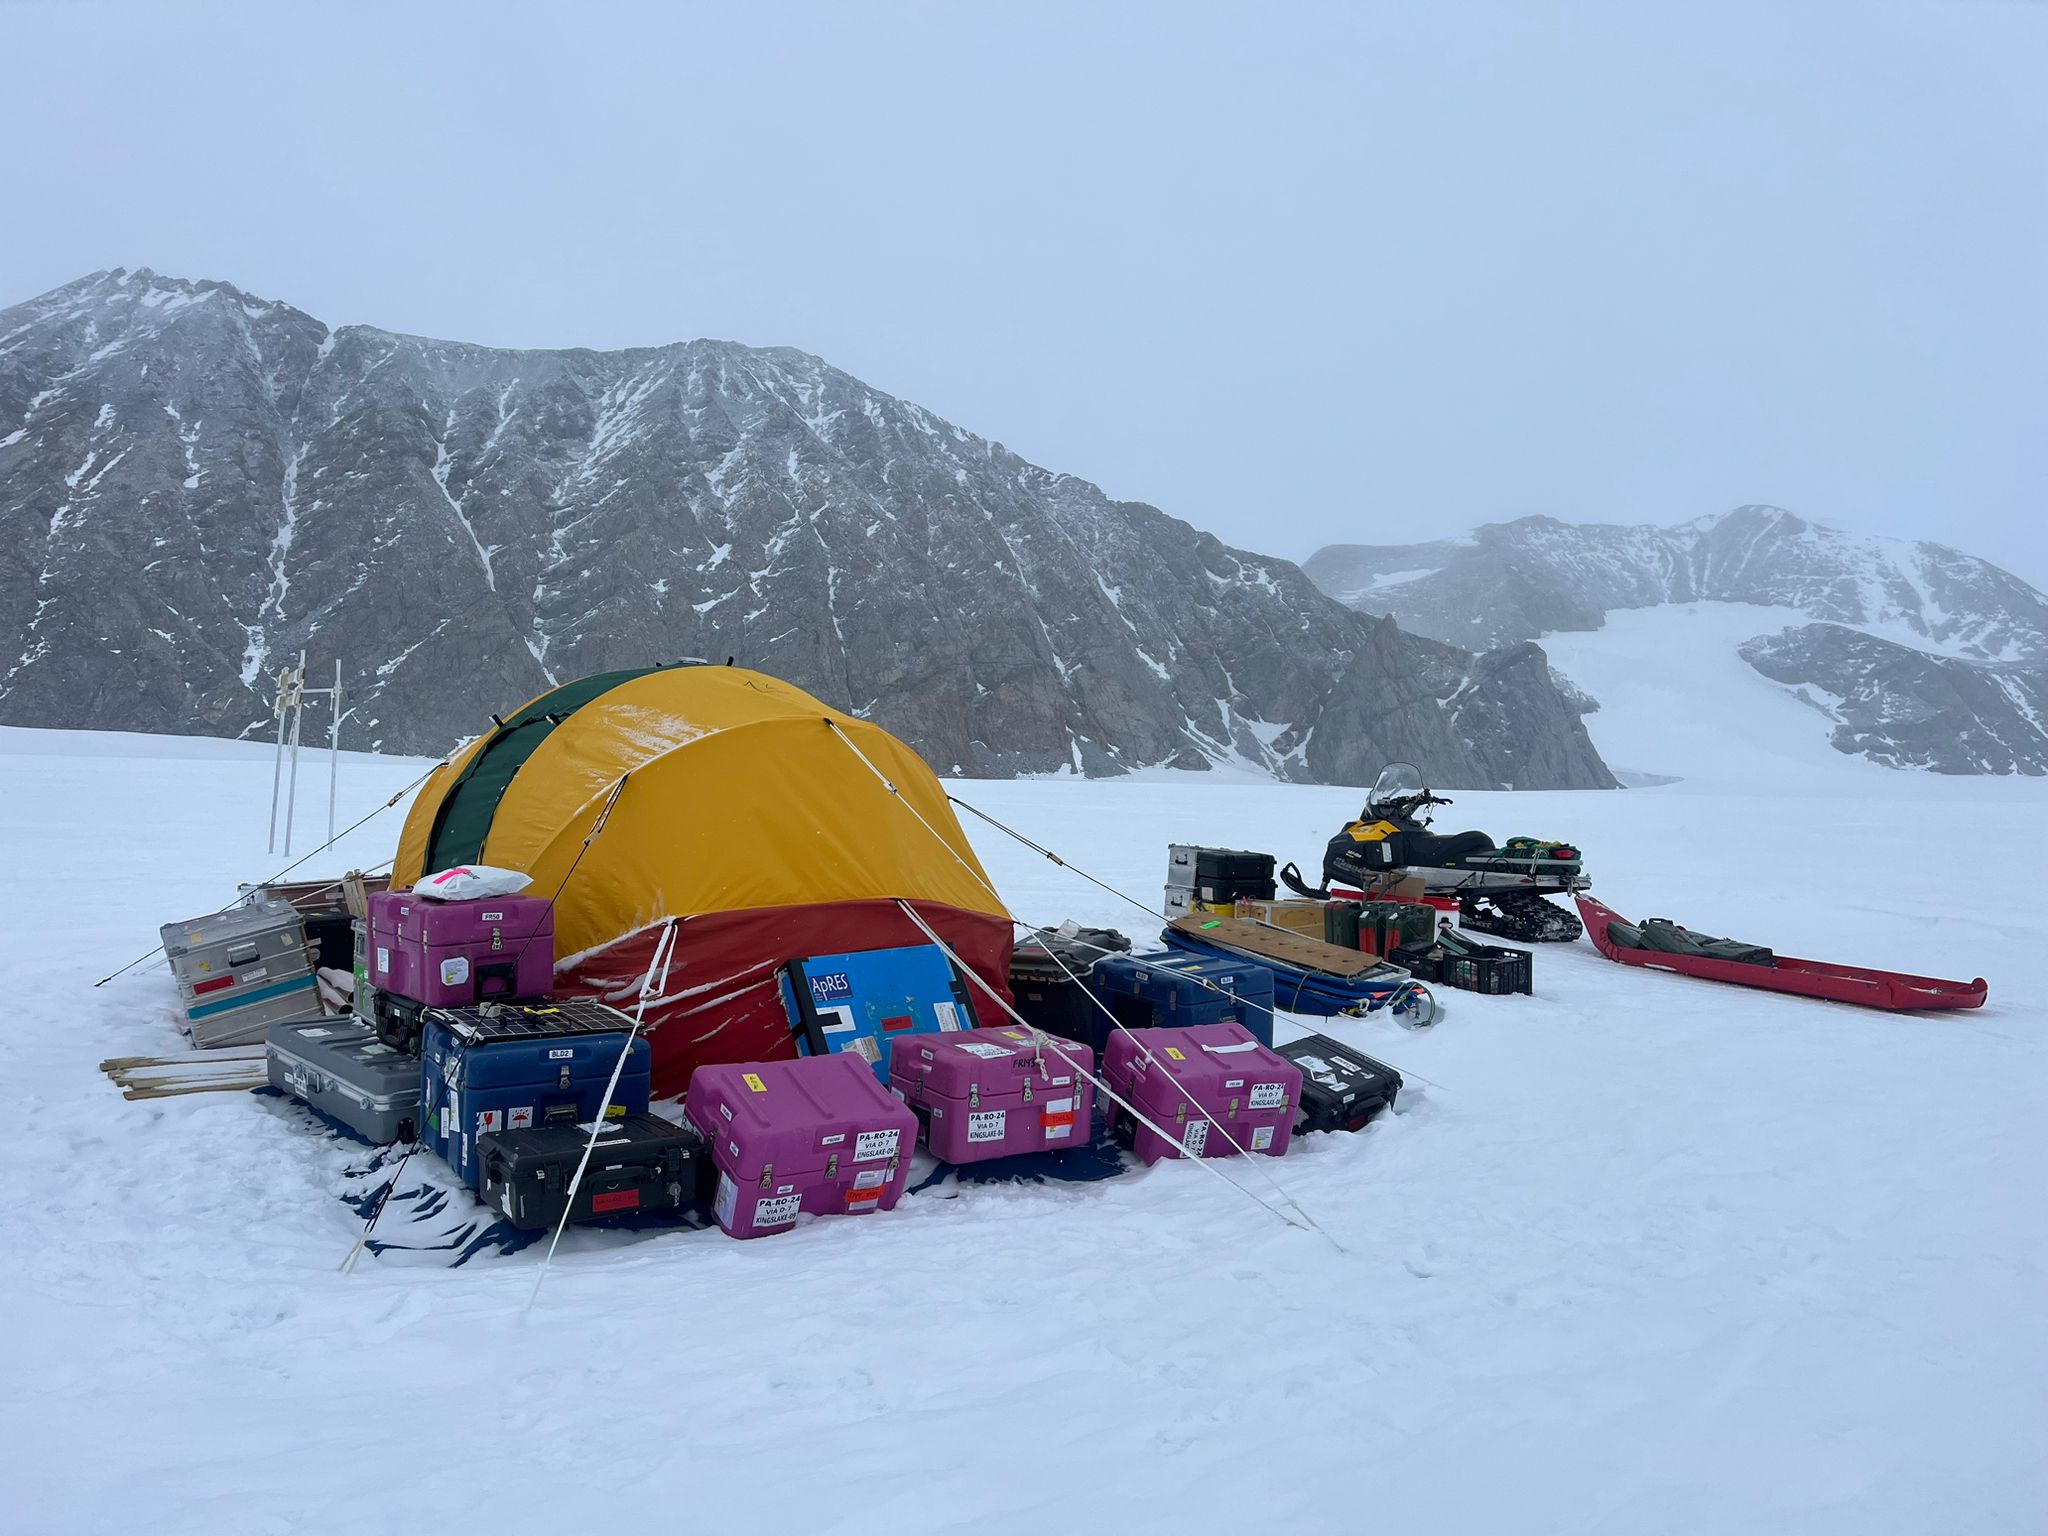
[291, 802]
[277, 764]
[333, 747]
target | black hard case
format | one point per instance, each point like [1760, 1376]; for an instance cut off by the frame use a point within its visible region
[642, 1165]
[1341, 1089]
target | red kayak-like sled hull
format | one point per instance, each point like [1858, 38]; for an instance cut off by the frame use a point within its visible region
[1803, 978]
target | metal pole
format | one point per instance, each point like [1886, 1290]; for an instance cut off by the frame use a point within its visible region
[277, 766]
[333, 747]
[291, 802]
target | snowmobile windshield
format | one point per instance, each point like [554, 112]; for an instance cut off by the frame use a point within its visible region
[1397, 783]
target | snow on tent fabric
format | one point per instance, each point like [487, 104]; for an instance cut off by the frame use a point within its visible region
[741, 813]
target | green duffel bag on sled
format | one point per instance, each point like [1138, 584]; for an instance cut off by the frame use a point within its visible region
[1660, 933]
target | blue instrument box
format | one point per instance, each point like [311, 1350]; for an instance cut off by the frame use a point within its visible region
[1165, 990]
[862, 1001]
[522, 1067]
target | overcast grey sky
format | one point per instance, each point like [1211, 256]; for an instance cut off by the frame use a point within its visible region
[1295, 274]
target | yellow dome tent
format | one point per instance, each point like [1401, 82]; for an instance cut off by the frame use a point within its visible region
[727, 800]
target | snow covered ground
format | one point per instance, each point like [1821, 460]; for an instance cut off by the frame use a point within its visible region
[1639, 1255]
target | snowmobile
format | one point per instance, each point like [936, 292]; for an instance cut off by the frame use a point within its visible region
[1500, 889]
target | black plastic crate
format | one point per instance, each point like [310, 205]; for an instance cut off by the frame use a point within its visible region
[1423, 963]
[1493, 969]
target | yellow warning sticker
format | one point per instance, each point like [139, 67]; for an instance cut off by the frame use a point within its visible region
[753, 1081]
[615, 1111]
[1174, 1052]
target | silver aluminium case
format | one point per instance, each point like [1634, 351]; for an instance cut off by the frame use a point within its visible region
[339, 1067]
[241, 970]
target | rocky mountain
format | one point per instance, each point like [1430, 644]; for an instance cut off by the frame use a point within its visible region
[196, 483]
[1921, 655]
[1907, 708]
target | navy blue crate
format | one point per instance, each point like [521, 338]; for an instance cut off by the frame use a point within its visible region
[520, 1068]
[1166, 989]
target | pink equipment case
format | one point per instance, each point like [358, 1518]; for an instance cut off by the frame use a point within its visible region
[986, 1093]
[1198, 1083]
[456, 954]
[818, 1134]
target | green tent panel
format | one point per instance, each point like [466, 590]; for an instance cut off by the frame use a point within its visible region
[464, 820]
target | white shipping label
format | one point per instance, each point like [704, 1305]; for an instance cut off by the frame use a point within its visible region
[836, 1021]
[1268, 1095]
[1195, 1137]
[258, 974]
[454, 970]
[866, 1048]
[871, 1178]
[873, 1144]
[1262, 1138]
[316, 1032]
[728, 1199]
[776, 1212]
[984, 1050]
[383, 959]
[519, 1118]
[1235, 1082]
[489, 1120]
[948, 1014]
[986, 1124]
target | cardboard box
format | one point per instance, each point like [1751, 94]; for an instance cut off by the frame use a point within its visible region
[1396, 885]
[1302, 917]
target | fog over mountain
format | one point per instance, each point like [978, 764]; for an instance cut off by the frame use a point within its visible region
[1921, 655]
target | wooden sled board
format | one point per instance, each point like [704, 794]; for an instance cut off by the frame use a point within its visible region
[220, 1056]
[1281, 945]
[1894, 990]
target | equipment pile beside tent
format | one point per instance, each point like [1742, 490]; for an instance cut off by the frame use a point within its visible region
[700, 884]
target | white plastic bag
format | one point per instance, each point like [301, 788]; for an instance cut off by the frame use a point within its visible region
[465, 882]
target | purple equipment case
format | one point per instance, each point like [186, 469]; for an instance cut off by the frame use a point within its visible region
[818, 1134]
[456, 954]
[987, 1093]
[1199, 1082]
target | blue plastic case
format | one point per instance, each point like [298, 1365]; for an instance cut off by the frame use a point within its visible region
[860, 1002]
[522, 1068]
[1169, 990]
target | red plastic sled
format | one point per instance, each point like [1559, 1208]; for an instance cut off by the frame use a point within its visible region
[1804, 978]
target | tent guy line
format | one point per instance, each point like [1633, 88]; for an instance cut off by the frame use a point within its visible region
[1144, 1049]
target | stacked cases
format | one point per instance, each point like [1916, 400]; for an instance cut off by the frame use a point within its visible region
[1213, 879]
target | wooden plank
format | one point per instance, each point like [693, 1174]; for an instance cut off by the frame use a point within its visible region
[239, 1085]
[220, 1056]
[1278, 944]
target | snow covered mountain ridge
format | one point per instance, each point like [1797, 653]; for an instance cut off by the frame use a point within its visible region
[195, 483]
[1921, 655]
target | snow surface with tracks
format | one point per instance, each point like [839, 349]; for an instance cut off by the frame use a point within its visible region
[1637, 1255]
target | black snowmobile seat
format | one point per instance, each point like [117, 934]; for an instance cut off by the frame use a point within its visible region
[1434, 851]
